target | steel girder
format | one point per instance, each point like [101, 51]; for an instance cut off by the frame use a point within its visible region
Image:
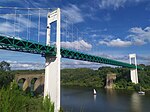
[65, 53]
[13, 44]
[25, 46]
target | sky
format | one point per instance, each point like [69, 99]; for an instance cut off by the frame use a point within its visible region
[107, 28]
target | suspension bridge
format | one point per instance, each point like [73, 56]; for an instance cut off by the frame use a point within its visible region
[52, 51]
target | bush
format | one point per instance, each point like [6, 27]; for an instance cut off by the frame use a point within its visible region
[14, 100]
[48, 106]
[6, 77]
[11, 100]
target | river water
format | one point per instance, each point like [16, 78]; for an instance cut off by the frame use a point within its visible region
[77, 99]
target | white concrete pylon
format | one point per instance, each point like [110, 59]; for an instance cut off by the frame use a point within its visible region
[133, 72]
[52, 69]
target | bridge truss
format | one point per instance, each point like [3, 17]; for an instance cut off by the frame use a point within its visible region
[20, 45]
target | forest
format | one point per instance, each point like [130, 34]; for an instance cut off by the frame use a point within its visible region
[97, 78]
[84, 76]
[13, 99]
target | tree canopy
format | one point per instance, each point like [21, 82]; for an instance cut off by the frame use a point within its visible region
[4, 66]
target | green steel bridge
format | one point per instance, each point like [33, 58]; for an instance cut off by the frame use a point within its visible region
[13, 44]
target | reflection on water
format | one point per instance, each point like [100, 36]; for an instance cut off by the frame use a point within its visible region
[94, 98]
[82, 99]
[136, 102]
[111, 96]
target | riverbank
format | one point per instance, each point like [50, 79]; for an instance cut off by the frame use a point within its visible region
[85, 77]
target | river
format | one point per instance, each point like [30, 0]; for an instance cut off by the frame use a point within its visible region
[77, 99]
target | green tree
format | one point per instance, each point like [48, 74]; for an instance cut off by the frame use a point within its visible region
[11, 99]
[14, 100]
[6, 77]
[4, 66]
[48, 106]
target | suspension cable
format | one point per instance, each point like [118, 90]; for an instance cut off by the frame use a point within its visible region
[18, 8]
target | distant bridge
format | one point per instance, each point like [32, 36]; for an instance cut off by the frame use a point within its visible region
[31, 81]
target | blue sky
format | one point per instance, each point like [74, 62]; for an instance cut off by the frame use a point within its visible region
[108, 28]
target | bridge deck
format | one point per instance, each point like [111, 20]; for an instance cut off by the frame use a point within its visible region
[13, 44]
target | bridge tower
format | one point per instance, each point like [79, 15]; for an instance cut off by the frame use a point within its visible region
[133, 72]
[52, 69]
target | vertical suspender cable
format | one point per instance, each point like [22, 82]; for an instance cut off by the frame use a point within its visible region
[17, 28]
[39, 27]
[6, 23]
[77, 40]
[19, 24]
[15, 23]
[66, 30]
[28, 26]
[72, 31]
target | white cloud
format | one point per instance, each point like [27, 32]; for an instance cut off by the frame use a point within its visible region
[11, 1]
[95, 35]
[111, 3]
[80, 45]
[115, 4]
[73, 14]
[26, 3]
[21, 24]
[139, 36]
[21, 20]
[39, 12]
[9, 61]
[8, 28]
[95, 30]
[42, 33]
[144, 58]
[67, 63]
[116, 43]
[24, 66]
[16, 65]
[26, 22]
[107, 17]
[92, 16]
